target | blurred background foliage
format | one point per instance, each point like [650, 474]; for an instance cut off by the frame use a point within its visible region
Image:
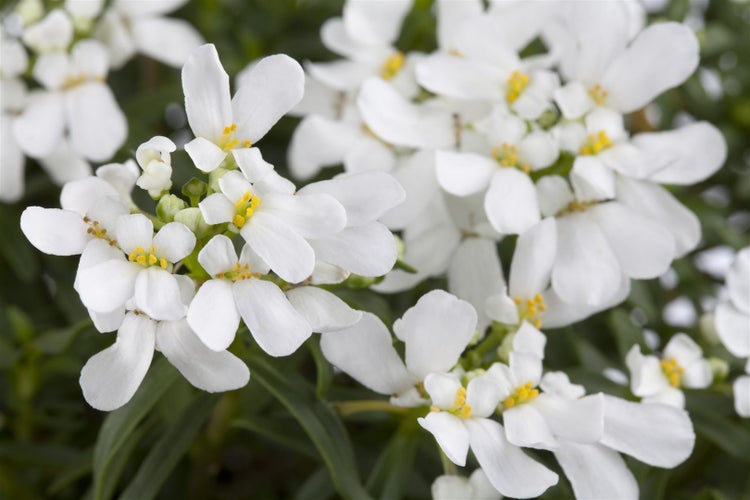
[283, 436]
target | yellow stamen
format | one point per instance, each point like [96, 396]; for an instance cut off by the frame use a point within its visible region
[238, 273]
[97, 231]
[598, 94]
[528, 310]
[76, 80]
[227, 141]
[596, 143]
[673, 371]
[147, 258]
[516, 84]
[392, 65]
[245, 208]
[523, 394]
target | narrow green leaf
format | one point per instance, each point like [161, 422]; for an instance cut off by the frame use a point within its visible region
[169, 449]
[626, 333]
[318, 420]
[720, 430]
[325, 370]
[119, 424]
[76, 469]
[277, 433]
[316, 487]
[390, 476]
[15, 248]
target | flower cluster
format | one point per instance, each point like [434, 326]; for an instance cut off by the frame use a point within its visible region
[182, 289]
[68, 116]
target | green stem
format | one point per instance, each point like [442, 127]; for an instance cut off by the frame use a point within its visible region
[449, 468]
[475, 357]
[346, 408]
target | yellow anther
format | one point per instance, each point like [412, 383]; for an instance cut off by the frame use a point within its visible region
[529, 309]
[506, 155]
[392, 65]
[464, 412]
[460, 397]
[516, 84]
[523, 394]
[163, 263]
[227, 141]
[76, 80]
[152, 259]
[598, 94]
[673, 371]
[434, 408]
[147, 258]
[237, 273]
[141, 259]
[238, 220]
[596, 143]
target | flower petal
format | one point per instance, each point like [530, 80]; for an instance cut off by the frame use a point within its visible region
[282, 248]
[158, 295]
[733, 328]
[662, 56]
[218, 255]
[272, 88]
[367, 250]
[206, 88]
[436, 330]
[366, 196]
[54, 231]
[365, 352]
[533, 258]
[134, 231]
[217, 209]
[323, 310]
[170, 41]
[310, 215]
[206, 369]
[741, 388]
[511, 202]
[450, 434]
[251, 163]
[527, 428]
[39, 129]
[463, 174]
[737, 280]
[586, 270]
[595, 471]
[96, 123]
[643, 248]
[646, 375]
[510, 470]
[107, 286]
[683, 349]
[174, 241]
[213, 315]
[274, 324]
[656, 434]
[206, 155]
[110, 378]
[459, 77]
[375, 23]
[579, 420]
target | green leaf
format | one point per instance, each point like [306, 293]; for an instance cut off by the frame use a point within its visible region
[626, 333]
[120, 424]
[15, 249]
[390, 476]
[277, 433]
[718, 428]
[169, 449]
[318, 420]
[316, 487]
[324, 368]
[75, 469]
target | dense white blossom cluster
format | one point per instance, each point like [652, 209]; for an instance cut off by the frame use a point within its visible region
[56, 105]
[516, 127]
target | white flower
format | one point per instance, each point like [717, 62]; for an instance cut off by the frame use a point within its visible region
[143, 272]
[605, 67]
[52, 34]
[659, 380]
[90, 209]
[131, 26]
[511, 200]
[78, 100]
[222, 125]
[365, 246]
[153, 157]
[435, 332]
[475, 487]
[459, 420]
[733, 316]
[13, 62]
[238, 290]
[275, 224]
[110, 378]
[656, 434]
[741, 389]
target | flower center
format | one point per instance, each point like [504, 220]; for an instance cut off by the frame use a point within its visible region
[227, 140]
[245, 207]
[516, 84]
[97, 231]
[672, 370]
[523, 394]
[596, 143]
[147, 258]
[79, 79]
[237, 273]
[529, 309]
[459, 408]
[507, 156]
[598, 94]
[392, 65]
